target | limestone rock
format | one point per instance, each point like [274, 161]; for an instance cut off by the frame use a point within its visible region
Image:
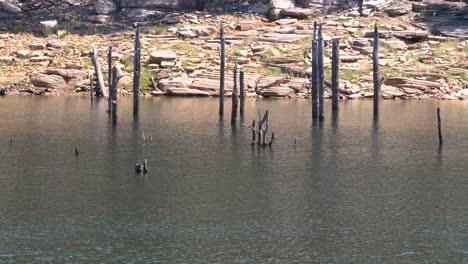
[98, 18]
[140, 14]
[162, 55]
[10, 6]
[104, 7]
[282, 4]
[37, 46]
[48, 81]
[67, 74]
[7, 59]
[398, 10]
[277, 91]
[23, 54]
[296, 12]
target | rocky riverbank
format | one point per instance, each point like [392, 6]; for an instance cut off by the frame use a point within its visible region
[423, 55]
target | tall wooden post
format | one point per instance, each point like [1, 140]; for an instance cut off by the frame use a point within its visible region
[109, 79]
[221, 71]
[314, 78]
[91, 90]
[439, 126]
[335, 68]
[242, 94]
[136, 73]
[375, 64]
[235, 99]
[320, 72]
[113, 94]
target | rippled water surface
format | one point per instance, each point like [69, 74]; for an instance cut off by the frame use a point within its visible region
[350, 191]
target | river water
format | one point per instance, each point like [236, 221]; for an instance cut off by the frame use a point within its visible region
[349, 191]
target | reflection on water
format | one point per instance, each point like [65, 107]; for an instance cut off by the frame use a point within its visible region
[350, 191]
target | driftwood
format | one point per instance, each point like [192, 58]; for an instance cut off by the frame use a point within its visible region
[102, 91]
[262, 130]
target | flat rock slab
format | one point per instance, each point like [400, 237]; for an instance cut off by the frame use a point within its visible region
[277, 91]
[402, 82]
[162, 55]
[67, 73]
[48, 81]
[174, 91]
[281, 38]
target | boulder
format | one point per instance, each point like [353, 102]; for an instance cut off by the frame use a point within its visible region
[105, 7]
[277, 91]
[398, 10]
[286, 30]
[98, 18]
[162, 55]
[23, 54]
[296, 12]
[67, 74]
[37, 46]
[10, 6]
[245, 26]
[140, 14]
[48, 81]
[7, 59]
[40, 59]
[282, 4]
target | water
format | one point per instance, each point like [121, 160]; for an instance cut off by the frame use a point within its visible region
[350, 191]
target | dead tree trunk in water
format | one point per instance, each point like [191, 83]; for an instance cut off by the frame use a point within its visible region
[221, 71]
[321, 90]
[235, 100]
[136, 73]
[314, 77]
[113, 94]
[109, 79]
[439, 126]
[335, 68]
[375, 64]
[102, 91]
[242, 94]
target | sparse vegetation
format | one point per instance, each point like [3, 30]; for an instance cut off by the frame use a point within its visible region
[20, 28]
[186, 48]
[64, 34]
[158, 31]
[48, 32]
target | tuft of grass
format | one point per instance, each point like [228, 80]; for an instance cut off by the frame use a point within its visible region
[251, 39]
[48, 32]
[87, 65]
[458, 74]
[158, 31]
[186, 48]
[68, 48]
[392, 72]
[128, 64]
[20, 28]
[234, 51]
[64, 34]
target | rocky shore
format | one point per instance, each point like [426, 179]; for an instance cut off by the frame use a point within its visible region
[424, 49]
